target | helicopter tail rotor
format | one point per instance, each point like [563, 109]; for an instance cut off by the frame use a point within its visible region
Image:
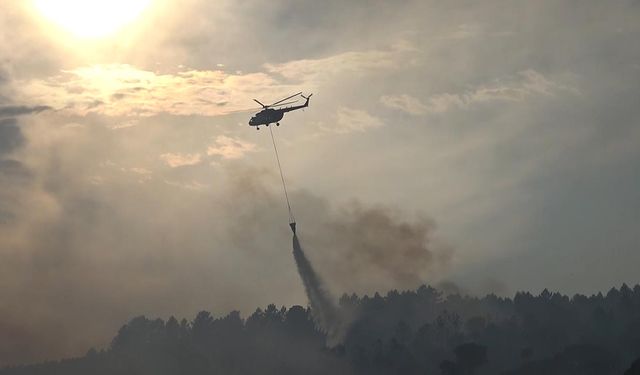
[306, 104]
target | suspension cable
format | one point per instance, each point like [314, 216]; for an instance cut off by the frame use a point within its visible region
[284, 185]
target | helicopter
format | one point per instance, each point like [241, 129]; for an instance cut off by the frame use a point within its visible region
[270, 115]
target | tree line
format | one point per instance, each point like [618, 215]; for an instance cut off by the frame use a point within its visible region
[410, 332]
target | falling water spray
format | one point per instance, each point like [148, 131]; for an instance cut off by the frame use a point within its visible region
[323, 308]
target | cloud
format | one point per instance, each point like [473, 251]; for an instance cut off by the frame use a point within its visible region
[224, 146]
[354, 62]
[405, 103]
[524, 85]
[175, 160]
[144, 175]
[124, 124]
[141, 171]
[125, 90]
[470, 31]
[230, 148]
[463, 31]
[350, 120]
[188, 185]
[109, 250]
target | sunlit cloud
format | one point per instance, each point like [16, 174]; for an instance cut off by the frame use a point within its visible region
[143, 173]
[230, 148]
[139, 170]
[124, 124]
[175, 160]
[189, 185]
[125, 90]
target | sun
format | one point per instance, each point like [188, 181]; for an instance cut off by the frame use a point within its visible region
[91, 18]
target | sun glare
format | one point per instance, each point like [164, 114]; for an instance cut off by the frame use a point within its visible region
[91, 18]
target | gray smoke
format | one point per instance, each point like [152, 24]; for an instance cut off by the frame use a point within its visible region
[19, 110]
[324, 310]
[368, 249]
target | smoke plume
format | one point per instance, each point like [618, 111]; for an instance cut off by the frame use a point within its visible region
[366, 249]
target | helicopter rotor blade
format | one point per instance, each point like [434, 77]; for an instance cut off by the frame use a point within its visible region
[287, 103]
[247, 110]
[282, 100]
[257, 101]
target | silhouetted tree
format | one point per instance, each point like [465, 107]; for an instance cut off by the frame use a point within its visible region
[403, 332]
[634, 369]
[448, 367]
[470, 356]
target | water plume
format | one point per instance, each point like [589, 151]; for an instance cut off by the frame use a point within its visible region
[323, 307]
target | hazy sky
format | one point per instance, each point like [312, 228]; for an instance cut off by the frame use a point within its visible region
[492, 144]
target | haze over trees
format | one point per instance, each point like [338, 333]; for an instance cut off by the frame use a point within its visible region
[411, 332]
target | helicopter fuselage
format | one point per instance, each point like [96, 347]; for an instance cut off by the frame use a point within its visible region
[272, 115]
[266, 116]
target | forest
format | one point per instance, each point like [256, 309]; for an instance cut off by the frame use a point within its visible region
[409, 332]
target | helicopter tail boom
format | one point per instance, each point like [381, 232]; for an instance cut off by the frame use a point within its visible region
[306, 104]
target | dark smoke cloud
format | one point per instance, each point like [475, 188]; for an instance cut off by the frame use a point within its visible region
[11, 136]
[86, 245]
[92, 256]
[449, 287]
[355, 247]
[368, 249]
[14, 176]
[19, 110]
[373, 237]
